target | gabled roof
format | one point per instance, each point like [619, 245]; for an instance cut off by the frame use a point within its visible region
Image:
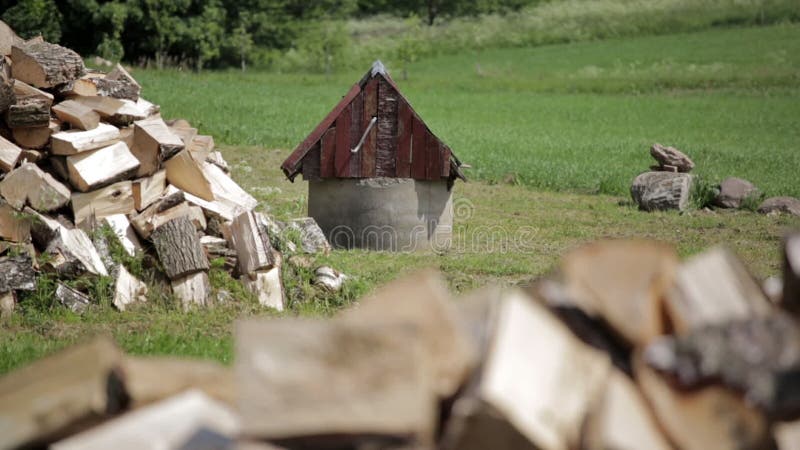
[377, 130]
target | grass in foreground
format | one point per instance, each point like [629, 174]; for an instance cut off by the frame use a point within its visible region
[503, 233]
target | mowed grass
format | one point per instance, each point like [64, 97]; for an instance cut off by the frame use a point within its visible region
[574, 117]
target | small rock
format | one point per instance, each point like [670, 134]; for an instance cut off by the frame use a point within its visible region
[330, 278]
[670, 158]
[789, 205]
[654, 191]
[73, 299]
[733, 191]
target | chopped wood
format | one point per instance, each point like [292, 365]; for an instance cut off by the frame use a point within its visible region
[45, 65]
[120, 74]
[713, 287]
[149, 109]
[8, 303]
[266, 286]
[251, 243]
[126, 135]
[114, 199]
[7, 96]
[154, 143]
[192, 290]
[9, 155]
[127, 114]
[300, 379]
[216, 159]
[186, 420]
[106, 107]
[142, 222]
[77, 115]
[622, 420]
[35, 138]
[185, 173]
[215, 209]
[24, 91]
[14, 227]
[82, 86]
[226, 190]
[128, 289]
[72, 390]
[422, 301]
[179, 248]
[187, 134]
[75, 300]
[31, 156]
[622, 282]
[216, 247]
[18, 273]
[149, 189]
[71, 142]
[201, 147]
[312, 237]
[7, 39]
[791, 274]
[149, 220]
[30, 185]
[116, 88]
[43, 229]
[124, 231]
[707, 418]
[94, 169]
[28, 113]
[72, 253]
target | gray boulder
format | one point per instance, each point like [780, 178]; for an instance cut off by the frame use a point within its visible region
[788, 205]
[733, 191]
[654, 191]
[671, 159]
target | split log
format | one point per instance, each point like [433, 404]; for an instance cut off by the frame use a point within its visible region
[77, 115]
[45, 65]
[185, 173]
[661, 190]
[791, 274]
[179, 249]
[362, 383]
[71, 142]
[187, 134]
[43, 228]
[226, 190]
[128, 289]
[149, 109]
[72, 253]
[148, 221]
[75, 300]
[328, 277]
[124, 231]
[8, 303]
[112, 110]
[712, 288]
[200, 147]
[116, 89]
[192, 290]
[131, 88]
[266, 286]
[537, 401]
[154, 143]
[142, 221]
[708, 418]
[149, 189]
[216, 247]
[7, 39]
[216, 159]
[421, 300]
[82, 86]
[312, 238]
[72, 389]
[187, 420]
[35, 138]
[28, 113]
[24, 91]
[622, 282]
[126, 136]
[14, 227]
[251, 243]
[114, 199]
[7, 96]
[18, 274]
[215, 209]
[28, 184]
[9, 155]
[89, 171]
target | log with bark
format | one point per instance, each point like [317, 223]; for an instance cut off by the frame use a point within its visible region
[89, 171]
[24, 91]
[192, 290]
[18, 273]
[153, 143]
[129, 88]
[179, 249]
[72, 254]
[75, 300]
[28, 113]
[95, 205]
[30, 185]
[14, 227]
[251, 243]
[45, 65]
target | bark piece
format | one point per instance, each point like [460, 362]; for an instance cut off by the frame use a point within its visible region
[712, 288]
[671, 156]
[60, 394]
[77, 115]
[780, 205]
[114, 199]
[71, 142]
[251, 243]
[791, 274]
[124, 231]
[72, 254]
[116, 89]
[192, 290]
[28, 113]
[179, 248]
[654, 191]
[301, 379]
[45, 65]
[622, 282]
[75, 300]
[154, 143]
[189, 420]
[216, 247]
[149, 189]
[92, 170]
[9, 155]
[14, 227]
[186, 174]
[128, 289]
[18, 274]
[28, 184]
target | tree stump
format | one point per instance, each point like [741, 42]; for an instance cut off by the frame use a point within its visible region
[179, 249]
[654, 191]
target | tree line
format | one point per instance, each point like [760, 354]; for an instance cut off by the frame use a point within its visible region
[216, 33]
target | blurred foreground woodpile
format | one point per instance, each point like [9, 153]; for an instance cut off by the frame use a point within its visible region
[625, 347]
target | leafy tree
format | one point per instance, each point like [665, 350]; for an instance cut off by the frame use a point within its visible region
[31, 18]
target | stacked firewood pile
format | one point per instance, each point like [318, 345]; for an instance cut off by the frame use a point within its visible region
[82, 151]
[625, 348]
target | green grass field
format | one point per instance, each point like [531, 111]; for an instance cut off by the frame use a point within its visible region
[566, 120]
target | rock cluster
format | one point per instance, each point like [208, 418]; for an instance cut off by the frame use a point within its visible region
[668, 184]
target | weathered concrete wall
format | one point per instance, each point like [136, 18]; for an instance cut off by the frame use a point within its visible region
[383, 213]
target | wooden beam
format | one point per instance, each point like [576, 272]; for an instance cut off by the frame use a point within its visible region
[179, 249]
[97, 168]
[114, 199]
[77, 115]
[28, 184]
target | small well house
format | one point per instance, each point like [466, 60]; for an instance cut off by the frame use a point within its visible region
[378, 177]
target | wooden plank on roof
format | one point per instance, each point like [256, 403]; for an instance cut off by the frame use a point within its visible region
[419, 160]
[356, 130]
[404, 125]
[370, 111]
[386, 148]
[341, 162]
[311, 163]
[328, 143]
[445, 152]
[434, 157]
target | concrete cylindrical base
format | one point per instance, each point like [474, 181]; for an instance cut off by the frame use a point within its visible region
[397, 214]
